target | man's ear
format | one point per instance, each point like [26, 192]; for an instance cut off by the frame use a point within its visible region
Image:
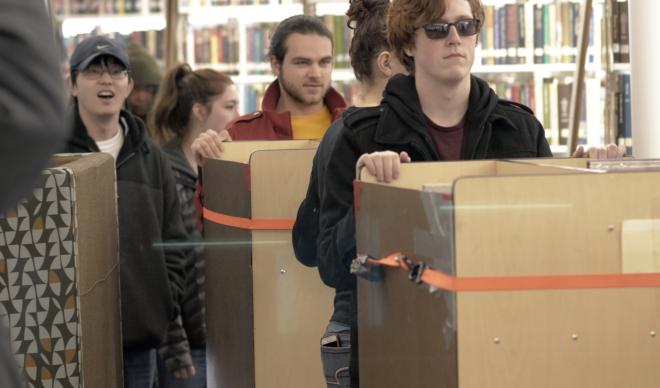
[72, 87]
[383, 62]
[275, 66]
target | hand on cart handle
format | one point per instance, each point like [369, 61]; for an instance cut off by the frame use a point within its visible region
[611, 151]
[384, 165]
[209, 145]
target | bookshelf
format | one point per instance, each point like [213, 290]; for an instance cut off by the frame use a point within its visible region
[527, 50]
[528, 53]
[234, 38]
[141, 21]
[616, 58]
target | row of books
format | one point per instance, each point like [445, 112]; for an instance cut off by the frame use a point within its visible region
[617, 11]
[619, 109]
[220, 44]
[258, 42]
[557, 32]
[503, 35]
[510, 36]
[104, 7]
[556, 110]
[519, 91]
[551, 101]
[253, 96]
[215, 45]
[153, 41]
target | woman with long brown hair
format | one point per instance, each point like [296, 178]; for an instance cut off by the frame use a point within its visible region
[189, 102]
[373, 65]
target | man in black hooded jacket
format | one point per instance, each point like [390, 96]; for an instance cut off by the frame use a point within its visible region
[493, 129]
[151, 276]
[439, 112]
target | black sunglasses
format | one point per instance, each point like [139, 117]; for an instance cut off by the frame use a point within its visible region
[440, 30]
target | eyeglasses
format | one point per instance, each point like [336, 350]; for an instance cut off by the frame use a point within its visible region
[95, 72]
[440, 30]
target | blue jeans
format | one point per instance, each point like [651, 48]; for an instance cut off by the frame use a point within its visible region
[167, 380]
[139, 368]
[336, 355]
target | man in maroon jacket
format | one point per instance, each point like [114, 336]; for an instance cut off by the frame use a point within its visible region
[300, 103]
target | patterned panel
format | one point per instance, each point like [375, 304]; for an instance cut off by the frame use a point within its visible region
[38, 287]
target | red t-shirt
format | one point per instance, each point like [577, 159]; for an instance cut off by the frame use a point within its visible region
[448, 140]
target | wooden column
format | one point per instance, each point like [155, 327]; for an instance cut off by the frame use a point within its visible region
[578, 86]
[171, 33]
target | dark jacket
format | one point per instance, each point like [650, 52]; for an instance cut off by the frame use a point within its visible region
[306, 229]
[268, 124]
[494, 129]
[189, 329]
[32, 104]
[152, 277]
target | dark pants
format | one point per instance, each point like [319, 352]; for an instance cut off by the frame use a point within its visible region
[139, 368]
[336, 355]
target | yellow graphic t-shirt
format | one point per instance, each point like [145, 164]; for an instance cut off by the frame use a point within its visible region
[311, 126]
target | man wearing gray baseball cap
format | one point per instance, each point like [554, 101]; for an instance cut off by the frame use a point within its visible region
[150, 225]
[94, 47]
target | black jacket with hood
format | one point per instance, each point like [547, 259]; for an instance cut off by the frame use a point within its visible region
[189, 330]
[305, 231]
[494, 129]
[152, 275]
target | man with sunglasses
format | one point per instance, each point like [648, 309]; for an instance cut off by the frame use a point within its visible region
[151, 276]
[438, 112]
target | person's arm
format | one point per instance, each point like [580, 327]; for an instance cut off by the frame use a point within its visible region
[32, 106]
[175, 351]
[306, 228]
[336, 243]
[173, 233]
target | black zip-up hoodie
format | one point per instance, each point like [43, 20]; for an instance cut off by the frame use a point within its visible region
[494, 129]
[188, 332]
[152, 276]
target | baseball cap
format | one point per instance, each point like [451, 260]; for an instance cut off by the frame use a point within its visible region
[92, 48]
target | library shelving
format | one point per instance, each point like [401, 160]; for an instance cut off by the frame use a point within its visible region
[527, 50]
[233, 37]
[616, 59]
[141, 21]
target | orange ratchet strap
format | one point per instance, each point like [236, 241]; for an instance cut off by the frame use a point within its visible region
[420, 273]
[248, 223]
